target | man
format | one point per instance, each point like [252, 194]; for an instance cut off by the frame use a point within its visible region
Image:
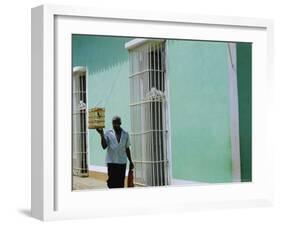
[117, 143]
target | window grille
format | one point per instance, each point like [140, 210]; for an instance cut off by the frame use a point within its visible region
[79, 123]
[148, 113]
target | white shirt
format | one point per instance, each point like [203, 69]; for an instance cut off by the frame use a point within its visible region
[116, 152]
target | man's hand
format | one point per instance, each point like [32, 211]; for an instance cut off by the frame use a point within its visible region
[100, 131]
[131, 166]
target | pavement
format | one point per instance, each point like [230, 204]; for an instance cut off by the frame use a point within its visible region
[86, 183]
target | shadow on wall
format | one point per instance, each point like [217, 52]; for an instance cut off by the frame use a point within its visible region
[98, 52]
[108, 85]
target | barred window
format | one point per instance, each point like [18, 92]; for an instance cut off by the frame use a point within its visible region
[148, 112]
[79, 123]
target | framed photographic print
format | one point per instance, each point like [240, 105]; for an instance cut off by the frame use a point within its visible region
[136, 113]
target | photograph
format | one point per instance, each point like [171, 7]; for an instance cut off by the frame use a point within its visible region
[150, 112]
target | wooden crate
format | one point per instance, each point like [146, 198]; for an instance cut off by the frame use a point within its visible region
[96, 118]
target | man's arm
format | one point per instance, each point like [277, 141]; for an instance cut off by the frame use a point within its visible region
[128, 152]
[103, 141]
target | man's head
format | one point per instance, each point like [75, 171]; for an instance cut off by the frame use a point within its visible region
[116, 123]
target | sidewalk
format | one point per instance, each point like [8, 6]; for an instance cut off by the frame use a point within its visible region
[81, 183]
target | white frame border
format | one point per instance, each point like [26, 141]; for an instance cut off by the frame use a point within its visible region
[44, 104]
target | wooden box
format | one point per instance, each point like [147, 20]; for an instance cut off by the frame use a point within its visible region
[96, 118]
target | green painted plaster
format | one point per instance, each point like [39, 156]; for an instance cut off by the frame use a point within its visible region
[244, 80]
[108, 85]
[200, 111]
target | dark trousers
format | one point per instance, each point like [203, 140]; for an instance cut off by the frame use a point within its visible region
[116, 175]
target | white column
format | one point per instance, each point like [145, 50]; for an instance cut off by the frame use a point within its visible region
[234, 112]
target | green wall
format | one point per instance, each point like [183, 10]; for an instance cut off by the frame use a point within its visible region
[200, 111]
[244, 80]
[108, 85]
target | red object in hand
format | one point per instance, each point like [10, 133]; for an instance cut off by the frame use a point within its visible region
[130, 180]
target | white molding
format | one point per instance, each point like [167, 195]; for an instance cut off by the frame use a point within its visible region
[87, 118]
[100, 169]
[136, 42]
[43, 161]
[103, 169]
[186, 182]
[234, 112]
[79, 69]
[168, 118]
[37, 141]
[153, 16]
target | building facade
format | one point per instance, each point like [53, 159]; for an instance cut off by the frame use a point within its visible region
[206, 112]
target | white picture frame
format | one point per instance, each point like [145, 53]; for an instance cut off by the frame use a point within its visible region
[52, 197]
